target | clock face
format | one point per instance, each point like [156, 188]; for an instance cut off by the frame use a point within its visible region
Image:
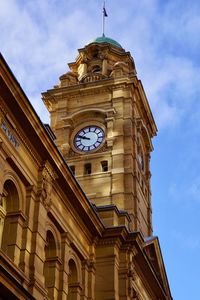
[89, 138]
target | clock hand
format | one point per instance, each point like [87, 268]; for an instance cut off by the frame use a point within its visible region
[83, 137]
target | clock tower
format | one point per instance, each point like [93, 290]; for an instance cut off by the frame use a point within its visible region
[103, 127]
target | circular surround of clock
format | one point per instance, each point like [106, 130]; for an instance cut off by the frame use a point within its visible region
[89, 138]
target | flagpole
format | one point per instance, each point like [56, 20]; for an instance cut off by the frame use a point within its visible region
[103, 20]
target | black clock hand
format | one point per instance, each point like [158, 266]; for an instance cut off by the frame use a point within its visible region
[83, 137]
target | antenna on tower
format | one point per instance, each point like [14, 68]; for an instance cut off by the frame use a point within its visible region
[103, 20]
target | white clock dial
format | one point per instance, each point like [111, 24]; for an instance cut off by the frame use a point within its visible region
[89, 138]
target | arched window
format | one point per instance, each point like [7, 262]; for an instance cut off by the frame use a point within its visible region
[73, 284]
[96, 69]
[10, 221]
[51, 268]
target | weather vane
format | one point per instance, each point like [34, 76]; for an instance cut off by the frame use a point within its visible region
[103, 20]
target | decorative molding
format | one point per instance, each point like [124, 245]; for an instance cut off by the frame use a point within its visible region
[49, 100]
[111, 241]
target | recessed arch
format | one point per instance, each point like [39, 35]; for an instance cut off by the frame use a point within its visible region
[10, 176]
[147, 139]
[50, 227]
[50, 247]
[11, 220]
[74, 283]
[51, 266]
[88, 111]
[142, 129]
[11, 194]
[73, 274]
[73, 257]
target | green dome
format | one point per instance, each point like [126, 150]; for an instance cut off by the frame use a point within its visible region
[104, 39]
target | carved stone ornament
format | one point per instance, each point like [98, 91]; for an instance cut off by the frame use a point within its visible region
[70, 78]
[103, 54]
[131, 271]
[46, 178]
[133, 294]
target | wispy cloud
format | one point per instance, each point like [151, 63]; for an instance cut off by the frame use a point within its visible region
[186, 241]
[44, 36]
[185, 193]
[161, 36]
[41, 41]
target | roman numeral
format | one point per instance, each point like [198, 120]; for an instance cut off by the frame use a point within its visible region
[97, 144]
[85, 148]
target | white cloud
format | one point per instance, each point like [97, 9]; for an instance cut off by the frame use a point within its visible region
[185, 193]
[39, 43]
[45, 35]
[160, 37]
[194, 190]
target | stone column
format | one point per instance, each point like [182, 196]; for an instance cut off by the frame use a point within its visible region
[41, 207]
[91, 280]
[27, 231]
[104, 67]
[53, 278]
[106, 285]
[65, 245]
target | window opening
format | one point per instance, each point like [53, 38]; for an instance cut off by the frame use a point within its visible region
[104, 166]
[96, 69]
[87, 169]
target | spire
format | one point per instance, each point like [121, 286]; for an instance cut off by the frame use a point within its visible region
[104, 12]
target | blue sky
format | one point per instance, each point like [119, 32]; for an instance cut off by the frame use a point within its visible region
[39, 37]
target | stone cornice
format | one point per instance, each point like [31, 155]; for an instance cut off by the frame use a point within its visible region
[86, 89]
